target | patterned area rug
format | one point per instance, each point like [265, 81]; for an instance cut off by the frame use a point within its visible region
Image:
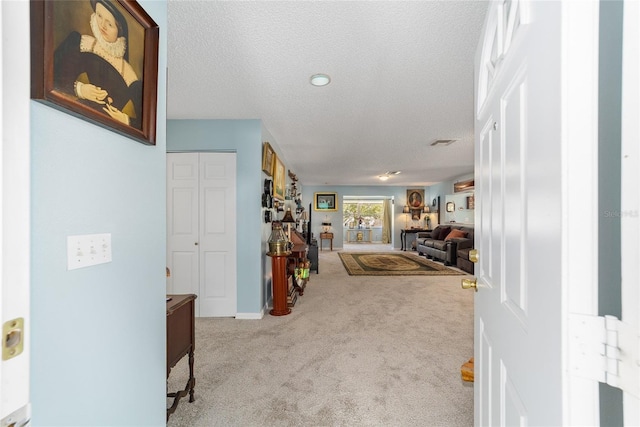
[392, 264]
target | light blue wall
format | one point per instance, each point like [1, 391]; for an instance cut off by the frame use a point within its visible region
[442, 189]
[245, 138]
[98, 333]
[399, 194]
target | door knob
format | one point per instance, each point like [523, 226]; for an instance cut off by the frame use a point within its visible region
[470, 283]
[473, 256]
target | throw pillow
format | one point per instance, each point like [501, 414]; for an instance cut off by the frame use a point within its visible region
[455, 233]
[444, 232]
[435, 234]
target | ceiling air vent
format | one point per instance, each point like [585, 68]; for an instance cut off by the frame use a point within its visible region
[438, 142]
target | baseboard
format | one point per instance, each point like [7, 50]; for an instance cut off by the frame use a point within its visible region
[250, 316]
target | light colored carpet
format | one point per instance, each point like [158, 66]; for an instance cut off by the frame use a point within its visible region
[355, 351]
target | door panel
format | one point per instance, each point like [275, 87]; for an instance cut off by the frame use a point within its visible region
[517, 128]
[214, 276]
[515, 413]
[513, 115]
[218, 234]
[182, 224]
[485, 398]
[215, 205]
[630, 209]
[15, 208]
[184, 268]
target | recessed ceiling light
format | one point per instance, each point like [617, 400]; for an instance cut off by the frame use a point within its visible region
[383, 177]
[320, 79]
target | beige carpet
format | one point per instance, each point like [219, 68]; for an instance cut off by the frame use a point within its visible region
[392, 264]
[355, 351]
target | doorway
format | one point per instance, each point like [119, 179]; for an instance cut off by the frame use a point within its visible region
[367, 223]
[201, 230]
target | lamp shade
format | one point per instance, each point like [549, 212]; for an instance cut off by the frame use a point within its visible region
[288, 217]
[405, 209]
[426, 209]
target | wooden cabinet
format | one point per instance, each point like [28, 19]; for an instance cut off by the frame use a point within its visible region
[180, 341]
[312, 255]
[286, 278]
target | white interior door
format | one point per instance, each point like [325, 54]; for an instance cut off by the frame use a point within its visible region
[217, 235]
[518, 365]
[201, 230]
[15, 196]
[630, 209]
[183, 229]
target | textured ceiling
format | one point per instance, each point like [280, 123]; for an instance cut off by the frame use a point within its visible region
[402, 77]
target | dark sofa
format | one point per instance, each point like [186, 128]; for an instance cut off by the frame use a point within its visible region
[452, 249]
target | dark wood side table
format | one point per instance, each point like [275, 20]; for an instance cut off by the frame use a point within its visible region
[327, 236]
[180, 341]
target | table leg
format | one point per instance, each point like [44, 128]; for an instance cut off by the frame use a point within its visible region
[192, 380]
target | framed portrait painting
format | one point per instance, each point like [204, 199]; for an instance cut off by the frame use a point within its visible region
[278, 179]
[97, 60]
[415, 199]
[325, 202]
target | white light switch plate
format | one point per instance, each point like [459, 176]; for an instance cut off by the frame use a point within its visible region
[87, 250]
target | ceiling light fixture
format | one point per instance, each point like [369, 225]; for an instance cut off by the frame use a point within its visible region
[387, 175]
[320, 79]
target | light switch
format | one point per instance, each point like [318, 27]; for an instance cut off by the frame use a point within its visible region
[87, 250]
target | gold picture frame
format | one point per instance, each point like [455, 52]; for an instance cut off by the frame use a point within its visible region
[278, 178]
[268, 158]
[327, 202]
[415, 199]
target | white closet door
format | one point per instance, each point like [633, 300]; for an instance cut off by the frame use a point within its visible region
[201, 230]
[217, 235]
[183, 233]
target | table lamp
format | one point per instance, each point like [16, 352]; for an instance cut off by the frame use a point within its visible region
[288, 219]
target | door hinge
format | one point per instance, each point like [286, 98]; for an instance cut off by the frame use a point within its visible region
[604, 349]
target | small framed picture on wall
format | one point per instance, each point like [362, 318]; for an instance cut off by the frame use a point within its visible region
[267, 159]
[325, 202]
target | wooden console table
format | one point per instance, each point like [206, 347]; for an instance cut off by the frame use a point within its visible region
[180, 341]
[405, 231]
